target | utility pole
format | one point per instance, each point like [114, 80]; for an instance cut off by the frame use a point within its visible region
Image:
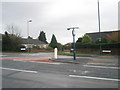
[99, 27]
[28, 33]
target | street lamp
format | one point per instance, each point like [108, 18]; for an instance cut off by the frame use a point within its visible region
[28, 33]
[73, 33]
[99, 27]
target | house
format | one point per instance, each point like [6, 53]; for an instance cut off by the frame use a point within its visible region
[96, 35]
[68, 45]
[34, 43]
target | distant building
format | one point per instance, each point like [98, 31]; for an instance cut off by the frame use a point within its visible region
[68, 45]
[34, 43]
[95, 35]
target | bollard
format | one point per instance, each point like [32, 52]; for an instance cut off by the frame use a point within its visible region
[55, 53]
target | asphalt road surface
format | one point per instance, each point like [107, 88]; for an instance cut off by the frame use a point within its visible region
[20, 70]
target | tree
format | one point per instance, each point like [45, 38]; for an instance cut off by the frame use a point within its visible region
[53, 42]
[29, 37]
[13, 29]
[86, 39]
[5, 42]
[67, 46]
[42, 37]
[79, 40]
[11, 42]
[59, 46]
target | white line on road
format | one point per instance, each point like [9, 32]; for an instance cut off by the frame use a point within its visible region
[88, 77]
[2, 55]
[101, 67]
[19, 70]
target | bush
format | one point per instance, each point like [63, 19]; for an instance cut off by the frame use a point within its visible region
[86, 39]
[49, 48]
[96, 46]
[103, 40]
[11, 42]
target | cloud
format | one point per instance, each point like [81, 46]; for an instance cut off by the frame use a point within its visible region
[55, 16]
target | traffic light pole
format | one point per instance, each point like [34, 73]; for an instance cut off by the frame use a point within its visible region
[74, 52]
[73, 33]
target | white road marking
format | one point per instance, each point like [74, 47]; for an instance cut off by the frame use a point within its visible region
[101, 67]
[88, 77]
[74, 71]
[85, 72]
[2, 55]
[19, 70]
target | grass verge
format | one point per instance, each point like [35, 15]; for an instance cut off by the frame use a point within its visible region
[77, 54]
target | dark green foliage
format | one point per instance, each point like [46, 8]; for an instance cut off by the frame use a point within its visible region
[11, 42]
[86, 39]
[49, 48]
[42, 37]
[103, 40]
[66, 47]
[79, 40]
[96, 46]
[53, 42]
[59, 46]
[87, 42]
[29, 37]
[110, 45]
[5, 42]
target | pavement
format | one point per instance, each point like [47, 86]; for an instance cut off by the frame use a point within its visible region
[94, 60]
[39, 70]
[71, 60]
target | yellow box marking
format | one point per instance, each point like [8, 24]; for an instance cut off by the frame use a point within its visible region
[102, 60]
[107, 56]
[101, 63]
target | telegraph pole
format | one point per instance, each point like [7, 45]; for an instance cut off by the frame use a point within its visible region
[28, 33]
[99, 27]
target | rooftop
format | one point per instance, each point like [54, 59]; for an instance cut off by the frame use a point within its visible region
[95, 35]
[32, 41]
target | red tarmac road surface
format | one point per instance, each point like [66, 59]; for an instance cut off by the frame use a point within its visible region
[29, 59]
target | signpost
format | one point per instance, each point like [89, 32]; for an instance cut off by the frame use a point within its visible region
[73, 33]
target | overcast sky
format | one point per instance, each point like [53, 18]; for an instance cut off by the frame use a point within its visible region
[55, 16]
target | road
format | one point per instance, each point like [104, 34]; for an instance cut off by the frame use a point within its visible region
[33, 71]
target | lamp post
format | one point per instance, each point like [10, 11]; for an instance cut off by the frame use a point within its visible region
[28, 33]
[99, 27]
[73, 33]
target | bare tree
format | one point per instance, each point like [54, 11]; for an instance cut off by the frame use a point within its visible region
[13, 29]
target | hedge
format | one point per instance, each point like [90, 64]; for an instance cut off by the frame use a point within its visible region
[96, 46]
